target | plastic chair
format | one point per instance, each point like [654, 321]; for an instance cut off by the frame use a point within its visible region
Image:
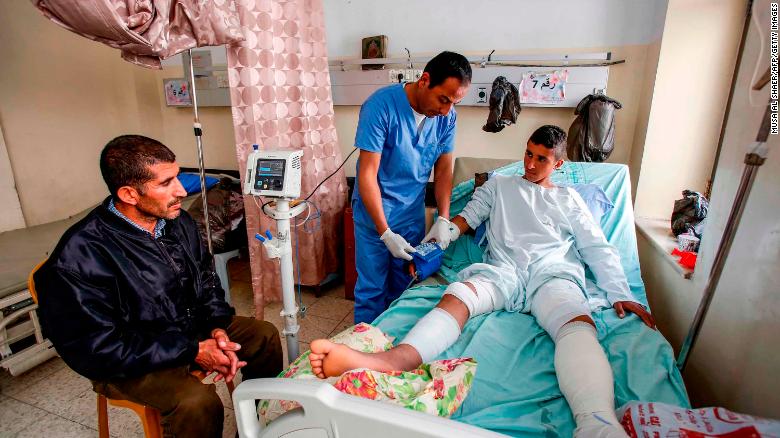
[150, 417]
[220, 265]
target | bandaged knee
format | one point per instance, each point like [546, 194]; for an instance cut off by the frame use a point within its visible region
[484, 300]
[433, 333]
[586, 381]
[556, 303]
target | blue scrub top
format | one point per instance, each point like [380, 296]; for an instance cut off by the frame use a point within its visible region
[387, 126]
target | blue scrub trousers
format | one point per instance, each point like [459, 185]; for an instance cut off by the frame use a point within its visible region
[381, 277]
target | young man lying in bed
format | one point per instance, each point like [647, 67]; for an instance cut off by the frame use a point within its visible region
[539, 236]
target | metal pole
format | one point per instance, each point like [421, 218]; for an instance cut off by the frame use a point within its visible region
[753, 160]
[199, 142]
[289, 308]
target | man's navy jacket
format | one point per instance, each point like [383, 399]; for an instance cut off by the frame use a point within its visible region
[117, 303]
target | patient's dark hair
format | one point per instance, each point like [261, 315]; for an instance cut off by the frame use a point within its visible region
[551, 137]
[448, 65]
[125, 161]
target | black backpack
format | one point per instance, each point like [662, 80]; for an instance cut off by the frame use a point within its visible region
[591, 136]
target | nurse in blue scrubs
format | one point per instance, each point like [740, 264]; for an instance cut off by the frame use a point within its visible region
[404, 132]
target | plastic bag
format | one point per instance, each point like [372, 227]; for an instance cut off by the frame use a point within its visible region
[689, 213]
[226, 214]
[648, 419]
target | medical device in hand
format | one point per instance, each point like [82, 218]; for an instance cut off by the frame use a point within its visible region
[277, 174]
[274, 173]
[426, 261]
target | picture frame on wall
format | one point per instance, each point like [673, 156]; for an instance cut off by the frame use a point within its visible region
[177, 92]
[374, 47]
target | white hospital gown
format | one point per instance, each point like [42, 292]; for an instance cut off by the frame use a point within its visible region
[535, 234]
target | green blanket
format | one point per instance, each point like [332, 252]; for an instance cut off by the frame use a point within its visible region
[515, 390]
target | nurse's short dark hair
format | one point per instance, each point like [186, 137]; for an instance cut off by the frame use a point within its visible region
[551, 137]
[126, 161]
[448, 65]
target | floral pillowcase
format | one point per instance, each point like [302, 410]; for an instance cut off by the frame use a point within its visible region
[436, 388]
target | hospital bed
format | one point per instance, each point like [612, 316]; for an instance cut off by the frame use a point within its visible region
[22, 250]
[22, 345]
[515, 390]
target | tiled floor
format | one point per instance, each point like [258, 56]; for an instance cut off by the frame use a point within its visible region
[51, 400]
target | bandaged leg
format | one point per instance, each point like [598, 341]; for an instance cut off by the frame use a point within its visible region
[586, 381]
[485, 298]
[438, 330]
[584, 374]
[433, 333]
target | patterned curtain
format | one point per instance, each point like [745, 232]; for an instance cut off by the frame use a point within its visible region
[281, 98]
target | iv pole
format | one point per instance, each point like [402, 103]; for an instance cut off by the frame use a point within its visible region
[199, 143]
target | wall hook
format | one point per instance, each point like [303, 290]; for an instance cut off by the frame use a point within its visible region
[485, 61]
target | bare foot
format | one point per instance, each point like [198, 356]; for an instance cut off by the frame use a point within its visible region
[329, 359]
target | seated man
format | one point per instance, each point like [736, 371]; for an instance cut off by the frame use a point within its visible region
[130, 299]
[538, 235]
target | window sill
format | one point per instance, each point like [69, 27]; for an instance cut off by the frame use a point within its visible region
[659, 234]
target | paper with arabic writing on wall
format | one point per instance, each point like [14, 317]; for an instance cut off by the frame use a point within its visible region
[544, 88]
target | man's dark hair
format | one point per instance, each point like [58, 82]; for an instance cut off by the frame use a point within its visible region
[448, 65]
[551, 137]
[125, 161]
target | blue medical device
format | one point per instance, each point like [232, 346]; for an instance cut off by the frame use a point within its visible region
[426, 261]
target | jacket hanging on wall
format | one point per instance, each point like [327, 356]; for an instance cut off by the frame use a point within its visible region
[504, 105]
[592, 134]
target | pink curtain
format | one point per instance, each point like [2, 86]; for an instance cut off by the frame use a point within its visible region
[147, 30]
[281, 97]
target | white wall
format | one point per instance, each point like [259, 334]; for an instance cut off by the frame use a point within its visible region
[467, 26]
[626, 28]
[12, 217]
[691, 88]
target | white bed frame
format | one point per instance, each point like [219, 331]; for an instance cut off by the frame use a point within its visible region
[328, 413]
[18, 325]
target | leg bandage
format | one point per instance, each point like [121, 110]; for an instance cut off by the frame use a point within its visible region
[586, 381]
[485, 300]
[433, 333]
[557, 302]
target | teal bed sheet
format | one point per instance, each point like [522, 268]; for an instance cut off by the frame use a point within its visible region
[515, 391]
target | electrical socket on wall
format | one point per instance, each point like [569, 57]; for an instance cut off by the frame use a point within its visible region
[482, 95]
[395, 76]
